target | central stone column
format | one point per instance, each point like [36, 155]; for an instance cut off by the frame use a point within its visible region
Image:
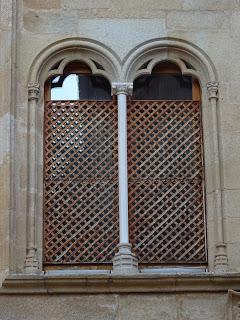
[124, 261]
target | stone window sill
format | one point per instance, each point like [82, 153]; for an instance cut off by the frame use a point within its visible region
[111, 283]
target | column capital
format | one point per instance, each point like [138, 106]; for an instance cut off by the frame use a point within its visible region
[212, 88]
[33, 91]
[122, 88]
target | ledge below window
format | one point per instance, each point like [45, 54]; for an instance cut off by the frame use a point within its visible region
[110, 283]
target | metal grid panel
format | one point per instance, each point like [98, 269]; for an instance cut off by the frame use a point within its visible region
[166, 210]
[81, 192]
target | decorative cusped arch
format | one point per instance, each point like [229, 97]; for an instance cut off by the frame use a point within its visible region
[53, 59]
[190, 59]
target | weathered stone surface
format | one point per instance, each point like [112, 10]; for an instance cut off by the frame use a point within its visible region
[211, 307]
[210, 5]
[107, 307]
[42, 4]
[231, 198]
[230, 112]
[233, 95]
[91, 4]
[235, 24]
[37, 22]
[123, 9]
[231, 159]
[196, 20]
[6, 118]
[146, 306]
[138, 30]
[6, 14]
[233, 225]
[70, 307]
[234, 259]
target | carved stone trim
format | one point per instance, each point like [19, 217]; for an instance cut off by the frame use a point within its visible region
[212, 88]
[221, 259]
[120, 283]
[122, 88]
[125, 261]
[31, 262]
[33, 91]
[171, 49]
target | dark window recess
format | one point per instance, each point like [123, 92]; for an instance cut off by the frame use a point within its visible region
[80, 87]
[162, 87]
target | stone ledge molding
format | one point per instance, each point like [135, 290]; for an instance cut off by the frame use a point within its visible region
[110, 283]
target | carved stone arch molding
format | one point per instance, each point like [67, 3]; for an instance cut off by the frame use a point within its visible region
[60, 53]
[103, 61]
[191, 59]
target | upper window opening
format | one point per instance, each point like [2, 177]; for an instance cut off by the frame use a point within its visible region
[78, 83]
[165, 83]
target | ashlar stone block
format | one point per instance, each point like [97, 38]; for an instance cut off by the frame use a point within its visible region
[42, 4]
[196, 20]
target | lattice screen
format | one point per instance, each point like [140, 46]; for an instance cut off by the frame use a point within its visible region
[166, 211]
[81, 192]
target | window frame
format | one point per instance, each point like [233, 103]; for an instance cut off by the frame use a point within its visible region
[158, 50]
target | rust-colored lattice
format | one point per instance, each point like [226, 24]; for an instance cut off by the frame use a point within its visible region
[166, 210]
[81, 193]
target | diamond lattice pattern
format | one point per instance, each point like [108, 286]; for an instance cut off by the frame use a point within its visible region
[166, 211]
[81, 192]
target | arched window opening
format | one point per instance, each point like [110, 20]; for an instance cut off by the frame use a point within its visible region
[165, 169]
[80, 176]
[77, 83]
[166, 83]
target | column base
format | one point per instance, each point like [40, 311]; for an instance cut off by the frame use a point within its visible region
[221, 260]
[31, 262]
[125, 261]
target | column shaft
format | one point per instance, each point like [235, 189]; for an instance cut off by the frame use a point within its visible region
[124, 261]
[122, 167]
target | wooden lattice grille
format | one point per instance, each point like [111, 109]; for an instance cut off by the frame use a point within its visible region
[81, 175]
[166, 208]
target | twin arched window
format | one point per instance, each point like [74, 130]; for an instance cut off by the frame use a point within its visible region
[165, 169]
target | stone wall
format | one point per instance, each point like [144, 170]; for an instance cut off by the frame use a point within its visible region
[29, 26]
